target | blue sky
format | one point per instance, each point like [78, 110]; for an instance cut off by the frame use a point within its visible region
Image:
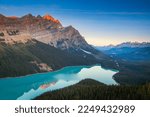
[101, 22]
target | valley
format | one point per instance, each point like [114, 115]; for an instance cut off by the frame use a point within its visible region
[133, 60]
[38, 54]
[31, 86]
[34, 44]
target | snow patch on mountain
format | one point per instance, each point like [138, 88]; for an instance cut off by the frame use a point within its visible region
[86, 51]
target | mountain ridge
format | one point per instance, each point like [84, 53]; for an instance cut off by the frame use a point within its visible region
[43, 44]
[36, 57]
[127, 44]
[45, 29]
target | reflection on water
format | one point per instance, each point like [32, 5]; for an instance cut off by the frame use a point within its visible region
[29, 87]
[44, 86]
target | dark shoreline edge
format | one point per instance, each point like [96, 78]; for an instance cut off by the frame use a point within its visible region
[90, 89]
[87, 66]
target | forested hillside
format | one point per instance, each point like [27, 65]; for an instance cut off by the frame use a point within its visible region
[33, 57]
[93, 90]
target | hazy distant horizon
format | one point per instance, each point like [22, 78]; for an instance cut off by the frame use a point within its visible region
[122, 43]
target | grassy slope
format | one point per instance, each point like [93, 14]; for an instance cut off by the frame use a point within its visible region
[92, 90]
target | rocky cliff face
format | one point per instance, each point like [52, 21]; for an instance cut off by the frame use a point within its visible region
[32, 44]
[45, 29]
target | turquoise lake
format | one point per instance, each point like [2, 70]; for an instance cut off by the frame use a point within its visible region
[31, 86]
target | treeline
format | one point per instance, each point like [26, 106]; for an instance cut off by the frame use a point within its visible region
[133, 73]
[92, 90]
[17, 59]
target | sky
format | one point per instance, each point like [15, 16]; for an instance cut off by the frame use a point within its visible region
[100, 22]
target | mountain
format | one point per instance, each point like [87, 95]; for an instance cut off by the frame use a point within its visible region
[128, 51]
[125, 44]
[33, 44]
[34, 57]
[133, 61]
[45, 29]
[133, 45]
[27, 26]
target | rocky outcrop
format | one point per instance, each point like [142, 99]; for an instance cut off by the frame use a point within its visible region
[1, 34]
[42, 66]
[13, 32]
[45, 29]
[50, 18]
[32, 44]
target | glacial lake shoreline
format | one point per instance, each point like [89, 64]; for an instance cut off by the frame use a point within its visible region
[33, 85]
[59, 70]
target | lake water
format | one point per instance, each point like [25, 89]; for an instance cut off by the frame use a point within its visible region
[31, 86]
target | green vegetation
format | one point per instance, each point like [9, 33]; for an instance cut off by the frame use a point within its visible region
[133, 73]
[92, 90]
[17, 59]
[133, 62]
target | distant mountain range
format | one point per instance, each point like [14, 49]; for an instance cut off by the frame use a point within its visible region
[125, 44]
[134, 44]
[128, 51]
[33, 44]
[133, 61]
